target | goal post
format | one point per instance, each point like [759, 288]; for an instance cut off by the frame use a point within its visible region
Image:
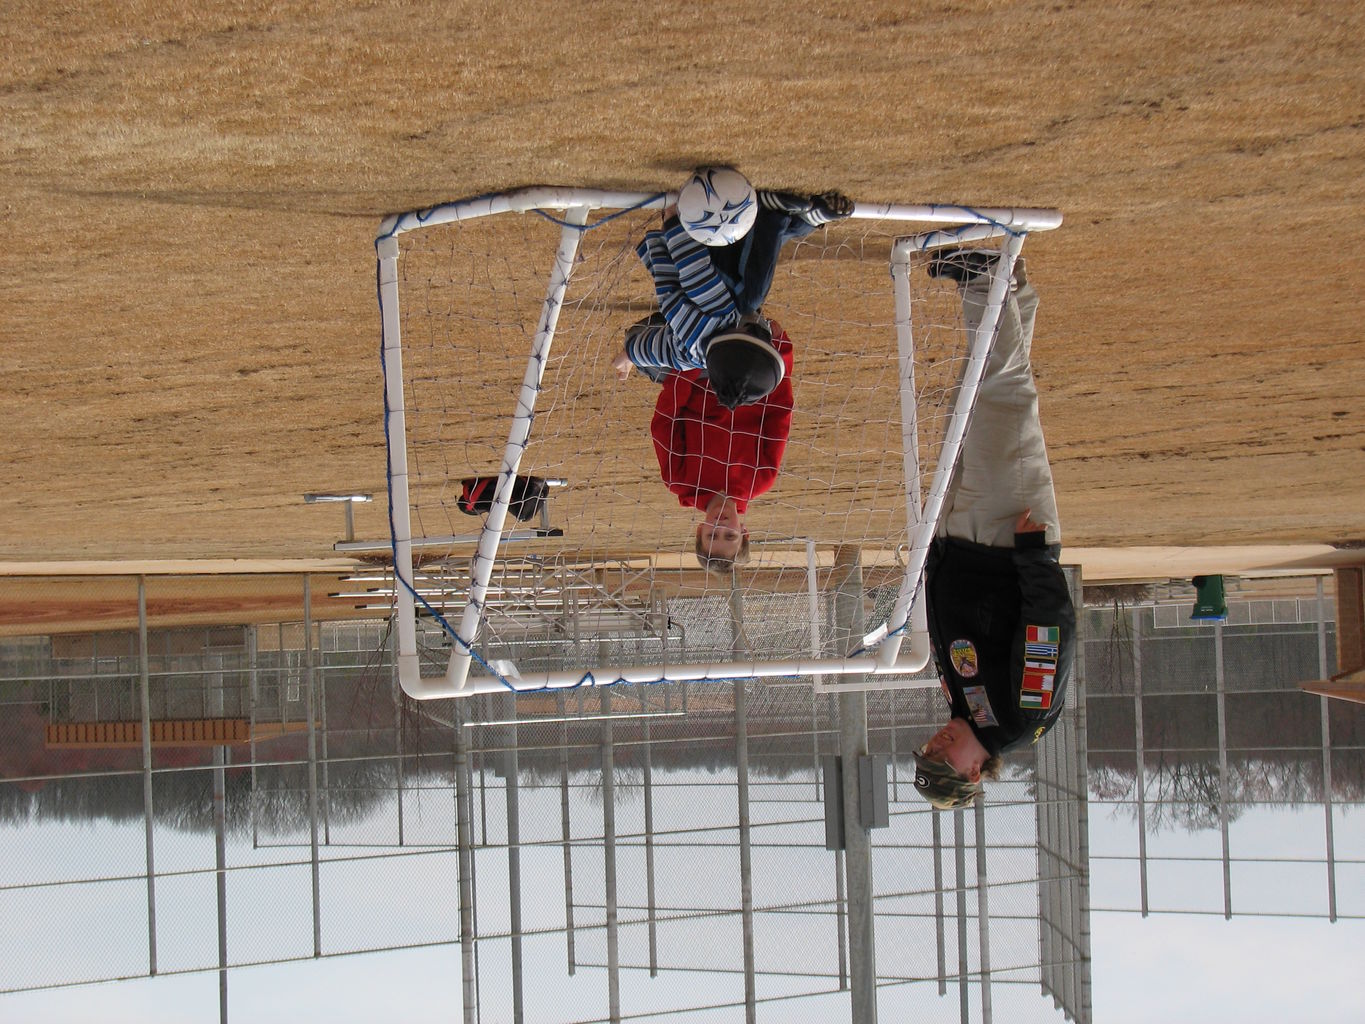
[879, 372]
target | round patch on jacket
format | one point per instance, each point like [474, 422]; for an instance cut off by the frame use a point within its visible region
[963, 656]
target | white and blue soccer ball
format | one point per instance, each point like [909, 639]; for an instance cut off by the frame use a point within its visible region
[717, 206]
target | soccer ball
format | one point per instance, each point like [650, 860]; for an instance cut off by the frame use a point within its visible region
[717, 206]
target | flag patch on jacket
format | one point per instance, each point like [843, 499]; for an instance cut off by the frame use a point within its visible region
[1035, 699]
[1038, 682]
[979, 705]
[1043, 635]
[1040, 651]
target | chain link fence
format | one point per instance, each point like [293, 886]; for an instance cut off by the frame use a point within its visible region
[1201, 739]
[300, 808]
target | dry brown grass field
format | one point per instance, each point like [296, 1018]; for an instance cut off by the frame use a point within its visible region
[190, 332]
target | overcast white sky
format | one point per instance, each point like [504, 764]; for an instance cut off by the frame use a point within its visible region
[1169, 966]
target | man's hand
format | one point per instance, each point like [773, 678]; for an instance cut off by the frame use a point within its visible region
[1025, 523]
[622, 365]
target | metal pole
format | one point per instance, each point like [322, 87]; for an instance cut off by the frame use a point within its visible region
[1327, 758]
[960, 867]
[1222, 769]
[1063, 840]
[512, 769]
[746, 881]
[283, 673]
[1082, 812]
[895, 785]
[939, 942]
[220, 852]
[463, 828]
[398, 742]
[815, 741]
[1140, 744]
[841, 918]
[474, 883]
[145, 697]
[813, 608]
[483, 787]
[1048, 881]
[649, 854]
[326, 767]
[253, 697]
[609, 860]
[853, 744]
[738, 648]
[564, 830]
[311, 710]
[983, 912]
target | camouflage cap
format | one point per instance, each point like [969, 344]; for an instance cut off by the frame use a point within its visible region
[942, 786]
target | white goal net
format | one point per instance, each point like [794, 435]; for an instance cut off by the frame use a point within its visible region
[501, 318]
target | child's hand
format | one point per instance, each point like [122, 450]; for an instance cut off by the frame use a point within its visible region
[622, 365]
[1025, 523]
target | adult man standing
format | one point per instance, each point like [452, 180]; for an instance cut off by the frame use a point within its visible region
[1001, 621]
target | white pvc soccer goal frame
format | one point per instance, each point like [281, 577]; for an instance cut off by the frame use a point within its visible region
[880, 654]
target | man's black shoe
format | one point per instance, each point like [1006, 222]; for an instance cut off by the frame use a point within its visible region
[961, 265]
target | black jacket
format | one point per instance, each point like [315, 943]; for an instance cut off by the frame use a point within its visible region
[1004, 635]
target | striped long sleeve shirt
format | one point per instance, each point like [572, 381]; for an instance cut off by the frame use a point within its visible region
[694, 299]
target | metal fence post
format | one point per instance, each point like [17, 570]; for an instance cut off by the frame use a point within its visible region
[939, 942]
[746, 879]
[1084, 968]
[463, 830]
[511, 770]
[565, 830]
[960, 868]
[853, 744]
[738, 648]
[1326, 730]
[311, 709]
[253, 699]
[1140, 744]
[609, 860]
[1223, 767]
[145, 698]
[325, 758]
[649, 853]
[397, 741]
[983, 911]
[220, 848]
[841, 917]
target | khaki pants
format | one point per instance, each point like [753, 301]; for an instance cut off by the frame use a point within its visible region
[1003, 468]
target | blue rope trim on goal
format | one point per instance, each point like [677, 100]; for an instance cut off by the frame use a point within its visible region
[605, 220]
[393, 532]
[981, 219]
